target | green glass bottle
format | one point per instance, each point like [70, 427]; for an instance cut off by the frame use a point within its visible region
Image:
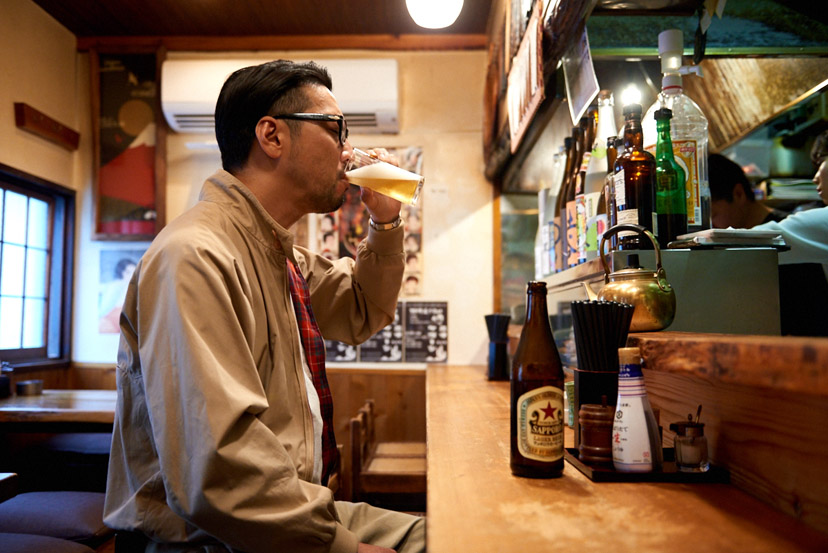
[670, 202]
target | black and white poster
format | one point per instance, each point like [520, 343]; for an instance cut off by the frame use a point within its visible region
[387, 344]
[426, 332]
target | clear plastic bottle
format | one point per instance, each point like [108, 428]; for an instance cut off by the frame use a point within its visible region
[688, 130]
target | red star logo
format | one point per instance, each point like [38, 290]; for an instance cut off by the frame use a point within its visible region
[549, 411]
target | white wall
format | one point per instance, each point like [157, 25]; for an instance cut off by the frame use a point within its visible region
[441, 111]
[37, 67]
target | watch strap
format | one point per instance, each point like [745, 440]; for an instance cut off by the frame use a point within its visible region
[385, 226]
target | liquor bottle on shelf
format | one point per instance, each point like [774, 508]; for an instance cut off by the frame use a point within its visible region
[596, 174]
[547, 196]
[567, 210]
[580, 190]
[557, 256]
[634, 181]
[670, 215]
[606, 204]
[537, 398]
[688, 128]
[571, 209]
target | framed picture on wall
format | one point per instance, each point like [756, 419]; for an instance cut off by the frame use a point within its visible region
[117, 267]
[129, 136]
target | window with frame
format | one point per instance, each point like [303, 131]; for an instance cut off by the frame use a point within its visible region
[37, 220]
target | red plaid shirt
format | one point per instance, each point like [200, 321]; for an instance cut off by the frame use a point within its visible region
[314, 347]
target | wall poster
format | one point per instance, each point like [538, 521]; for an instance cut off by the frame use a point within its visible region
[338, 234]
[117, 267]
[418, 334]
[126, 134]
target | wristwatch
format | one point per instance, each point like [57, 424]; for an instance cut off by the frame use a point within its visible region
[385, 226]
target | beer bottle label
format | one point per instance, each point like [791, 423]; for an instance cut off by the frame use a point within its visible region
[540, 424]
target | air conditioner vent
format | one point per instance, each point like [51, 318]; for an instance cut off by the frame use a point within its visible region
[366, 90]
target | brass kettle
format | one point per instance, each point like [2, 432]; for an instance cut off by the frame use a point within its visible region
[649, 292]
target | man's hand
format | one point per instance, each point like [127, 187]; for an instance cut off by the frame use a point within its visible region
[381, 208]
[368, 548]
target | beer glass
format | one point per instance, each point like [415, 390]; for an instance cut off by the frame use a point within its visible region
[367, 171]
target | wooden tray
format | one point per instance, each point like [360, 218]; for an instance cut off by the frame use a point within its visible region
[669, 472]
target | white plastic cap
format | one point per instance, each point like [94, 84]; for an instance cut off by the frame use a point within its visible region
[670, 49]
[671, 82]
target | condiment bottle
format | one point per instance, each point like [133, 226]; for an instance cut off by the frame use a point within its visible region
[634, 180]
[690, 445]
[636, 445]
[595, 422]
[537, 397]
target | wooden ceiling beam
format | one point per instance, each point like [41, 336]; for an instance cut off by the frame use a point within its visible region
[288, 42]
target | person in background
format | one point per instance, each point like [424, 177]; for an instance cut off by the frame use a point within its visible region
[733, 203]
[803, 290]
[223, 436]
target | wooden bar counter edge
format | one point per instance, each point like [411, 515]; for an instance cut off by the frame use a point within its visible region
[765, 409]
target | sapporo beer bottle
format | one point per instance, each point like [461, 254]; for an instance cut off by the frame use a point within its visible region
[537, 418]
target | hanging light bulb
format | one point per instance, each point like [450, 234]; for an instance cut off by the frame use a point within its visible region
[630, 95]
[434, 14]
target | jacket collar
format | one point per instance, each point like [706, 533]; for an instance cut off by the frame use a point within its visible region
[225, 189]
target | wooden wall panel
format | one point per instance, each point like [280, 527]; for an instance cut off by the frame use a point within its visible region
[770, 439]
[399, 397]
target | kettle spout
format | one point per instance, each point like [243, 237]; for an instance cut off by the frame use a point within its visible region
[589, 292]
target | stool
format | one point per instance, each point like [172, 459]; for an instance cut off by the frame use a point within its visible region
[30, 543]
[73, 516]
[67, 461]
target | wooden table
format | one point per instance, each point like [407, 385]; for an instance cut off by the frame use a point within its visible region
[475, 504]
[59, 411]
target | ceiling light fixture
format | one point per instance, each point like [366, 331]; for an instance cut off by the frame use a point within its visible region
[434, 14]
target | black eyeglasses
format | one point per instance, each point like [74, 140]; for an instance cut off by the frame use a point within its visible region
[340, 120]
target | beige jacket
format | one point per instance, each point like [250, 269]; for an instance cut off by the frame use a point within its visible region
[213, 436]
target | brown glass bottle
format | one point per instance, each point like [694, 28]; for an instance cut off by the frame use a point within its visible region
[537, 422]
[557, 234]
[634, 179]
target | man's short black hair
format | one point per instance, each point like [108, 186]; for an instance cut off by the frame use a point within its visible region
[724, 175]
[253, 92]
[819, 151]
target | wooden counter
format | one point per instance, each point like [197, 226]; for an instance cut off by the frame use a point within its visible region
[476, 505]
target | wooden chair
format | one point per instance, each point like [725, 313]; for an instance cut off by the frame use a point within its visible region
[386, 470]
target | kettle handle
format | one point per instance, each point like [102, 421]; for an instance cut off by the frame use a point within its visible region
[634, 228]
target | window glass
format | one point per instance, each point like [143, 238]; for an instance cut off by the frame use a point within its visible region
[33, 319]
[11, 277]
[38, 224]
[11, 313]
[35, 273]
[14, 219]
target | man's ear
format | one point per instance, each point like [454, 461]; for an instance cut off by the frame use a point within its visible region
[271, 136]
[739, 194]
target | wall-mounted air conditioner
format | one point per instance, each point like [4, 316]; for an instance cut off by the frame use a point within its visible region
[366, 90]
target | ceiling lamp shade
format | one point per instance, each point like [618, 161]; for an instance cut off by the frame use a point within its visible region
[434, 14]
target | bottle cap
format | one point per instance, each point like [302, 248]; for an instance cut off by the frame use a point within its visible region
[632, 109]
[663, 113]
[629, 356]
[687, 428]
[671, 81]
